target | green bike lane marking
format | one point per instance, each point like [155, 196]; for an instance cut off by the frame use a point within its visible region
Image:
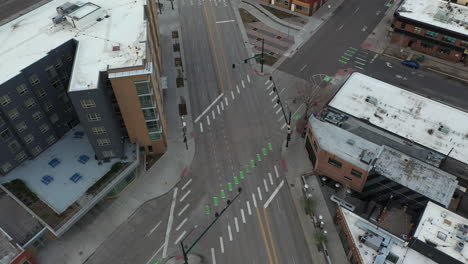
[259, 158]
[344, 62]
[270, 147]
[236, 181]
[264, 151]
[215, 201]
[241, 175]
[223, 194]
[345, 58]
[230, 186]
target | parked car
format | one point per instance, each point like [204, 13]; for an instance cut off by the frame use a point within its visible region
[411, 63]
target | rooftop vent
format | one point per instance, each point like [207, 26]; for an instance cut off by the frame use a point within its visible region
[350, 142]
[442, 236]
[444, 129]
[371, 100]
[58, 19]
[66, 8]
[459, 247]
[367, 156]
[115, 48]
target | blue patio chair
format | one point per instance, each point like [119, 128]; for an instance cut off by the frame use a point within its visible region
[54, 162]
[78, 134]
[46, 179]
[75, 177]
[83, 159]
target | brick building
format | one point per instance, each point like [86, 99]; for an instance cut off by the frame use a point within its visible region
[305, 7]
[434, 27]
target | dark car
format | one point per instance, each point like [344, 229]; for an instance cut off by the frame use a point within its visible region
[411, 63]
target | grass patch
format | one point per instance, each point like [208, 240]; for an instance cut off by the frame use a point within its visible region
[20, 190]
[111, 173]
[278, 13]
[246, 16]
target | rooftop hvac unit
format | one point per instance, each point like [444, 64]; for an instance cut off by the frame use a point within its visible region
[459, 247]
[371, 100]
[66, 8]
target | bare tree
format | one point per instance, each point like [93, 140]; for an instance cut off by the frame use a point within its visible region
[309, 92]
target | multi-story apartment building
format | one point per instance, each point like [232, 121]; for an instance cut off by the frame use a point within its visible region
[382, 141]
[434, 27]
[305, 7]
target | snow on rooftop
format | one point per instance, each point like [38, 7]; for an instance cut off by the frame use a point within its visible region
[60, 193]
[31, 36]
[411, 116]
[443, 14]
[405, 255]
[437, 222]
[416, 175]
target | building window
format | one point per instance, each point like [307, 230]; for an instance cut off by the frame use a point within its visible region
[108, 154]
[150, 148]
[444, 51]
[13, 114]
[63, 97]
[348, 178]
[153, 126]
[14, 146]
[283, 2]
[44, 128]
[417, 30]
[103, 141]
[146, 101]
[87, 103]
[5, 134]
[54, 118]
[150, 114]
[29, 102]
[33, 79]
[36, 150]
[356, 173]
[5, 100]
[51, 139]
[155, 136]
[302, 8]
[57, 85]
[432, 34]
[334, 162]
[51, 73]
[58, 63]
[21, 126]
[449, 39]
[143, 87]
[94, 117]
[464, 44]
[22, 89]
[99, 130]
[48, 106]
[6, 167]
[20, 156]
[40, 92]
[426, 45]
[29, 138]
[37, 115]
[403, 25]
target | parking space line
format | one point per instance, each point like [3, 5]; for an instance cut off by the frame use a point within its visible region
[219, 112]
[243, 84]
[213, 258]
[208, 119]
[248, 78]
[266, 185]
[213, 114]
[237, 87]
[187, 183]
[279, 110]
[267, 82]
[226, 101]
[271, 85]
[201, 127]
[274, 98]
[232, 95]
[283, 126]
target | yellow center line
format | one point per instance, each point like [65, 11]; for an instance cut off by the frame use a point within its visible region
[222, 48]
[213, 50]
[270, 235]
[264, 236]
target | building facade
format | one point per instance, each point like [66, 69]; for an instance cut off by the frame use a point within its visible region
[440, 33]
[305, 7]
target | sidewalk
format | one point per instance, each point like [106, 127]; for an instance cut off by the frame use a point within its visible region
[91, 231]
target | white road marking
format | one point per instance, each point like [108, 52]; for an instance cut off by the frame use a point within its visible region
[279, 110]
[271, 178]
[201, 127]
[185, 196]
[274, 194]
[276, 172]
[219, 112]
[377, 13]
[266, 185]
[169, 222]
[276, 104]
[208, 119]
[303, 67]
[236, 224]
[274, 98]
[232, 94]
[222, 106]
[183, 210]
[154, 255]
[213, 258]
[355, 11]
[154, 228]
[229, 232]
[248, 78]
[221, 244]
[224, 21]
[259, 194]
[364, 28]
[187, 183]
[243, 84]
[180, 238]
[254, 200]
[280, 118]
[237, 87]
[271, 93]
[243, 215]
[181, 224]
[248, 208]
[283, 126]
[389, 64]
[226, 100]
[208, 108]
[363, 64]
[340, 27]
[282, 90]
[213, 114]
[361, 59]
[299, 108]
[271, 85]
[267, 82]
[359, 68]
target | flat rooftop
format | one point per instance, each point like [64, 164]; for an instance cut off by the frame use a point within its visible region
[416, 175]
[18, 223]
[438, 13]
[394, 246]
[30, 37]
[441, 227]
[8, 250]
[411, 116]
[61, 192]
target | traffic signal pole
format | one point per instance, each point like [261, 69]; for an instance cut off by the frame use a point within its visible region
[286, 119]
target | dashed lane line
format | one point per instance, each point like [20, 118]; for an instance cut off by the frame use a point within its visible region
[254, 200]
[221, 244]
[271, 178]
[226, 101]
[248, 78]
[201, 127]
[185, 196]
[269, 86]
[237, 87]
[236, 223]
[232, 95]
[266, 185]
[267, 82]
[248, 208]
[229, 232]
[213, 114]
[219, 112]
[213, 257]
[259, 194]
[276, 171]
[274, 98]
[208, 119]
[243, 84]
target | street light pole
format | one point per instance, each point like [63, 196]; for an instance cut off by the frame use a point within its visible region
[286, 119]
[262, 59]
[217, 216]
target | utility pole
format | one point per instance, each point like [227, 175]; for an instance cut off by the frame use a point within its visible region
[286, 119]
[217, 216]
